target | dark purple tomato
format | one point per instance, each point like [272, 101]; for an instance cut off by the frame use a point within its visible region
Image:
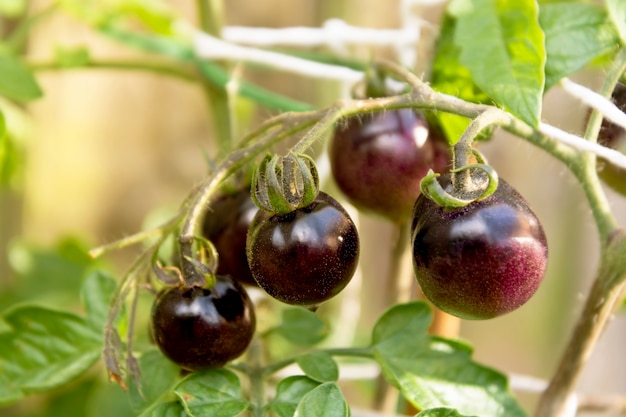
[226, 225]
[379, 159]
[614, 137]
[480, 261]
[307, 256]
[199, 328]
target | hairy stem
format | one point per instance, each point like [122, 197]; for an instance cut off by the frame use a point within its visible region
[599, 308]
[385, 398]
[257, 378]
[611, 277]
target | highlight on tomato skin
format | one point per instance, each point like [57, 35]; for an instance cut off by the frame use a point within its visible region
[379, 159]
[199, 328]
[480, 261]
[304, 257]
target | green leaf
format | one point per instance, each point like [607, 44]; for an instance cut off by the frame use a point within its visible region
[502, 45]
[214, 393]
[167, 409]
[302, 327]
[440, 412]
[51, 269]
[46, 348]
[289, 393]
[319, 366]
[16, 81]
[158, 376]
[97, 289]
[617, 12]
[326, 400]
[433, 372]
[450, 77]
[576, 33]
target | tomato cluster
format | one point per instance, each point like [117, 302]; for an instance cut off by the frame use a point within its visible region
[476, 262]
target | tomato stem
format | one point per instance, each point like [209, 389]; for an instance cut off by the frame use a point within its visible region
[609, 283]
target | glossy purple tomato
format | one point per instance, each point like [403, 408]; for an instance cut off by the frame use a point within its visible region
[379, 159]
[307, 256]
[480, 261]
[226, 225]
[200, 328]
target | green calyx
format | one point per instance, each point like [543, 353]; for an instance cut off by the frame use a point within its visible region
[282, 184]
[432, 190]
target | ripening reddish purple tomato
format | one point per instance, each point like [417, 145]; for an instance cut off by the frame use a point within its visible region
[379, 159]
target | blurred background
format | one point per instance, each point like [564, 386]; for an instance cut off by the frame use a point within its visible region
[105, 151]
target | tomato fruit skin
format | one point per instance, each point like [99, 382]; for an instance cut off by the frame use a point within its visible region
[200, 328]
[379, 159]
[226, 226]
[304, 257]
[480, 261]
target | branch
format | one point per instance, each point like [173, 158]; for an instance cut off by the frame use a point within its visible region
[596, 101]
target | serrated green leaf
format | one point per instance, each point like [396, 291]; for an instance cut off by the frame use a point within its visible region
[617, 12]
[302, 327]
[433, 372]
[393, 325]
[45, 348]
[502, 45]
[441, 412]
[97, 289]
[450, 77]
[16, 81]
[326, 400]
[158, 376]
[167, 409]
[214, 393]
[289, 393]
[319, 366]
[576, 33]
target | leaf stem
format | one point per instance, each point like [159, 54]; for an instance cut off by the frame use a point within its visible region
[257, 378]
[362, 352]
[384, 397]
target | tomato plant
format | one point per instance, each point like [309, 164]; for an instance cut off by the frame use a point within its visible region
[159, 323]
